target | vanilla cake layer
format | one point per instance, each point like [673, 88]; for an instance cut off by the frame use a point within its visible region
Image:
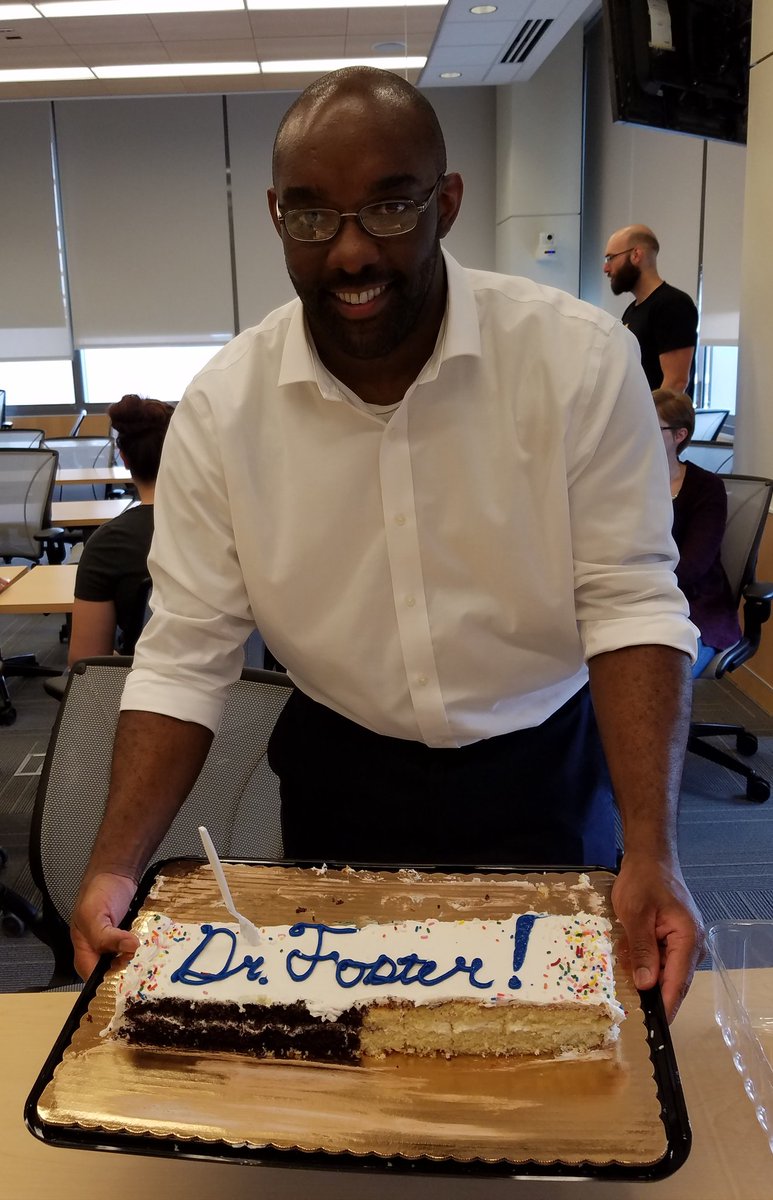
[534, 983]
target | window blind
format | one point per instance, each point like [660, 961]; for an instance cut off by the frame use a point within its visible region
[33, 317]
[144, 206]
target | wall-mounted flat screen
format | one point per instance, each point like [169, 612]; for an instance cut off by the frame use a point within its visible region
[680, 65]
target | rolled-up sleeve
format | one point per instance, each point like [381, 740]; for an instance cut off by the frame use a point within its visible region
[626, 591]
[192, 647]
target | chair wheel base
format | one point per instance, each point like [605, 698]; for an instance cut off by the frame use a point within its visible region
[12, 926]
[757, 789]
[746, 743]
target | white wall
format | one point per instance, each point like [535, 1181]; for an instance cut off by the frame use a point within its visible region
[754, 426]
[539, 160]
[636, 175]
[468, 118]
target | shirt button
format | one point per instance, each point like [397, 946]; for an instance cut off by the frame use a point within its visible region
[422, 681]
[400, 519]
[410, 601]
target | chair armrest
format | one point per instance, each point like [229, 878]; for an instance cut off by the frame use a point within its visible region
[759, 591]
[757, 599]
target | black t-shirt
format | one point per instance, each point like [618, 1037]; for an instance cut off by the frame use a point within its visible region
[114, 566]
[666, 320]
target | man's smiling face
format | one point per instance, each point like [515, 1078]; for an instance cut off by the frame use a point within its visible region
[363, 295]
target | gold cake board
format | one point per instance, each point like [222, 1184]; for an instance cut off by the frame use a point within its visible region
[598, 1115]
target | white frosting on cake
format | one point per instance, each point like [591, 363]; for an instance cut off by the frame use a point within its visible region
[529, 958]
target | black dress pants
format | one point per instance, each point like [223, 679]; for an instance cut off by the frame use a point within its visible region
[537, 796]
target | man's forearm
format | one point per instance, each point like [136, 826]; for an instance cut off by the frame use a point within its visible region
[156, 761]
[641, 696]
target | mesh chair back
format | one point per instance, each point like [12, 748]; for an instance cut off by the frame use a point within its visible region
[708, 422]
[748, 502]
[26, 484]
[81, 452]
[236, 795]
[20, 439]
[712, 456]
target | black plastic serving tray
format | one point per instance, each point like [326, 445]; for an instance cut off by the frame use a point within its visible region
[673, 1111]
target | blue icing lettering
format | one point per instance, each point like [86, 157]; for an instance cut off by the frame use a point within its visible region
[349, 972]
[186, 973]
[523, 927]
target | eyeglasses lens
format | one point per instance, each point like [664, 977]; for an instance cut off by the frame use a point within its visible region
[322, 224]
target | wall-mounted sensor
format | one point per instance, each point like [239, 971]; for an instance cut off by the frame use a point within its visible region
[546, 246]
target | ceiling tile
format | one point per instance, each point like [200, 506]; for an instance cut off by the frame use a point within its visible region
[85, 31]
[358, 45]
[230, 50]
[114, 54]
[313, 24]
[300, 47]
[391, 23]
[32, 33]
[185, 27]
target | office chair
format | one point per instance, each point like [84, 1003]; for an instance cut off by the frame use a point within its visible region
[26, 483]
[712, 456]
[82, 452]
[748, 503]
[236, 795]
[80, 418]
[708, 422]
[20, 439]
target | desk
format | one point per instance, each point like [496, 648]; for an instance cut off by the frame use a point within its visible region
[79, 513]
[43, 589]
[11, 573]
[730, 1159]
[93, 475]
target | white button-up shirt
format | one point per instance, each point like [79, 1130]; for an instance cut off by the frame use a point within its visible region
[442, 575]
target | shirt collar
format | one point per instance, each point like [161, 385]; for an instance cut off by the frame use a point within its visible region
[459, 335]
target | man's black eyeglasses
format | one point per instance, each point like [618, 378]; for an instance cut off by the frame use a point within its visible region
[387, 218]
[608, 257]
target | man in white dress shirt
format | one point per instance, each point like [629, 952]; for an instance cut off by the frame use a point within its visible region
[441, 496]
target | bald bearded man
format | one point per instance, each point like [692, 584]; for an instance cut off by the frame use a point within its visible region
[663, 319]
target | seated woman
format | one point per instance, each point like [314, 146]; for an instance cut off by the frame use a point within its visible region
[112, 584]
[700, 515]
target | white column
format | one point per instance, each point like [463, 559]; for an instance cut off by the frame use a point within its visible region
[754, 419]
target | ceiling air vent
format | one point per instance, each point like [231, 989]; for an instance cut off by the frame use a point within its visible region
[525, 40]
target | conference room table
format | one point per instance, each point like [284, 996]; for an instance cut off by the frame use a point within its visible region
[730, 1158]
[43, 589]
[79, 514]
[9, 573]
[99, 476]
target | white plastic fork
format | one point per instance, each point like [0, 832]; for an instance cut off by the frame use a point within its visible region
[248, 931]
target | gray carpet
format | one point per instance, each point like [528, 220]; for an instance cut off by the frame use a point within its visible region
[725, 842]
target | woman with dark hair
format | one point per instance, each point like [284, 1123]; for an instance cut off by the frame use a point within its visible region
[700, 516]
[112, 585]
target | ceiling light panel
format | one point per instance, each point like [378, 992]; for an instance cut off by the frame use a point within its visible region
[18, 12]
[175, 70]
[274, 5]
[131, 8]
[320, 66]
[45, 74]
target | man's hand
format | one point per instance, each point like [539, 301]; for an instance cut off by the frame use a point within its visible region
[102, 904]
[663, 926]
